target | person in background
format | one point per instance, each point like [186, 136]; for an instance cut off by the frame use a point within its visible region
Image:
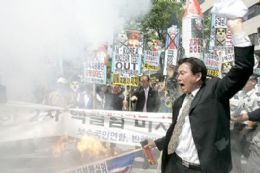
[198, 140]
[171, 82]
[107, 98]
[244, 101]
[253, 160]
[146, 98]
[87, 93]
[60, 96]
[113, 101]
[114, 98]
[170, 90]
[76, 98]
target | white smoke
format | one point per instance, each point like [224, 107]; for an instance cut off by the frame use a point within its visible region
[36, 34]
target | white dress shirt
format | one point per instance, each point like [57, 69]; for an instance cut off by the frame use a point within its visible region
[186, 148]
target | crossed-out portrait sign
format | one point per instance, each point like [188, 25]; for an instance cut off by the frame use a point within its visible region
[126, 62]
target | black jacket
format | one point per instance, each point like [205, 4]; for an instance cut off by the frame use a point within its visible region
[153, 100]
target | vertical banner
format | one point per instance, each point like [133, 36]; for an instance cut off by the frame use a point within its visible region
[221, 51]
[172, 45]
[151, 60]
[192, 29]
[218, 32]
[126, 60]
[95, 69]
[212, 62]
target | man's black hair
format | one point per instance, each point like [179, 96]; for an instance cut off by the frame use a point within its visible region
[197, 66]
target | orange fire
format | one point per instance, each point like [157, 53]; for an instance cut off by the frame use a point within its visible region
[88, 146]
[59, 146]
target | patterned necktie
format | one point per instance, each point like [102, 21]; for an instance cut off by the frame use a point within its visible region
[179, 124]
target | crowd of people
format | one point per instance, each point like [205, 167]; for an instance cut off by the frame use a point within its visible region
[151, 95]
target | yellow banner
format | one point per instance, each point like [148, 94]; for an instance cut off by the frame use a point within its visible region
[129, 81]
[151, 67]
[214, 73]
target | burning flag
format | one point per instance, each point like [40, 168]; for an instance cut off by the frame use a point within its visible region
[119, 164]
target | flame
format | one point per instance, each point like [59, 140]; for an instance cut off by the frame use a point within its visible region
[88, 146]
[59, 146]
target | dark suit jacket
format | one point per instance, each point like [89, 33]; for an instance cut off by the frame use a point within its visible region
[210, 115]
[153, 100]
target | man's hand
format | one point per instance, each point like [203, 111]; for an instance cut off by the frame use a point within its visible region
[150, 144]
[243, 117]
[229, 8]
[133, 98]
[235, 25]
[250, 124]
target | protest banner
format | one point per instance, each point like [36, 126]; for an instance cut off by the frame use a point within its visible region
[25, 121]
[172, 45]
[95, 69]
[192, 29]
[221, 51]
[126, 59]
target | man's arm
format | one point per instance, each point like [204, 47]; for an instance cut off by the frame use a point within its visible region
[159, 143]
[252, 116]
